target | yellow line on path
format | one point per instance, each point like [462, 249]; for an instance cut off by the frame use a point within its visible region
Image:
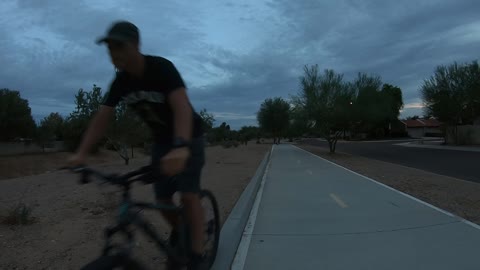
[338, 200]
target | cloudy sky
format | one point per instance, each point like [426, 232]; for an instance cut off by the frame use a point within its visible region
[233, 54]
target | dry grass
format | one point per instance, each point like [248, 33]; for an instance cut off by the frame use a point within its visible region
[19, 214]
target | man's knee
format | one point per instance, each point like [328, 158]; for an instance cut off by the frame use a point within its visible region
[190, 198]
[165, 200]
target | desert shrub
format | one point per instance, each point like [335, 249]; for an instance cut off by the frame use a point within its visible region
[19, 214]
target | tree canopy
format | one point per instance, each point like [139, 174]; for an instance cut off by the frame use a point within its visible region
[274, 116]
[87, 104]
[325, 99]
[15, 116]
[452, 94]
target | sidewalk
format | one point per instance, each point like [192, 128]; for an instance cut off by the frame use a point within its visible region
[312, 214]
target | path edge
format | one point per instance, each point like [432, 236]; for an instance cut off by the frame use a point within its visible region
[232, 230]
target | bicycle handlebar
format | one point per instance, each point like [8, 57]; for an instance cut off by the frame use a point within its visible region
[114, 179]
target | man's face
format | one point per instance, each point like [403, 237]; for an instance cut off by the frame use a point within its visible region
[121, 53]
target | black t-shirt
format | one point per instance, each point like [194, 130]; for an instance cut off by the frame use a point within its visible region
[148, 97]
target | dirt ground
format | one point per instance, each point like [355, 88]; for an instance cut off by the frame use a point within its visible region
[456, 196]
[69, 218]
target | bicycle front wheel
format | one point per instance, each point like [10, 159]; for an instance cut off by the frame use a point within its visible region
[113, 263]
[211, 225]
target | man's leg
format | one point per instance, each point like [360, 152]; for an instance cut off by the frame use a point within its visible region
[162, 185]
[188, 183]
[170, 216]
[195, 215]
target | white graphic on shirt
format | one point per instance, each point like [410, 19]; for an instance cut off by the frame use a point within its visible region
[149, 96]
[144, 102]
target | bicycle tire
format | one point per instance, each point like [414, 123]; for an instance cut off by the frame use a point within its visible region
[113, 263]
[211, 254]
[134, 265]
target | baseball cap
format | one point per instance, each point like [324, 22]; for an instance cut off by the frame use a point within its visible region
[122, 31]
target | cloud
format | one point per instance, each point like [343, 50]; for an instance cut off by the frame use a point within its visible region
[415, 105]
[51, 53]
[234, 55]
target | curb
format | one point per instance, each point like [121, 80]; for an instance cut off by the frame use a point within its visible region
[450, 148]
[232, 230]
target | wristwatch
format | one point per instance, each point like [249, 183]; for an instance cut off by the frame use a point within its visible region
[179, 142]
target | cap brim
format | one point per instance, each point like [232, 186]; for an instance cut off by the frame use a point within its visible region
[106, 39]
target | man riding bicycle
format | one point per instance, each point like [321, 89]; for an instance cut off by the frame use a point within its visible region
[152, 86]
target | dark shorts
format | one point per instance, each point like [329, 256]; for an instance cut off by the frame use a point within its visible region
[186, 181]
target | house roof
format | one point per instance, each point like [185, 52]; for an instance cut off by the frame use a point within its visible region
[411, 123]
[431, 122]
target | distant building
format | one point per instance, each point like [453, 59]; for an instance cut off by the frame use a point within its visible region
[427, 127]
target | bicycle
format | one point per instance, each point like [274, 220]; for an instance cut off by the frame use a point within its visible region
[119, 256]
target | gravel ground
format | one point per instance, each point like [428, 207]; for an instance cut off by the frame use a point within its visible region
[69, 218]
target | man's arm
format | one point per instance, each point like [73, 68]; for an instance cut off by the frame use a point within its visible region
[96, 129]
[182, 113]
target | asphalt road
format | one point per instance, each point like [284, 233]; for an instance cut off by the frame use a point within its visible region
[459, 164]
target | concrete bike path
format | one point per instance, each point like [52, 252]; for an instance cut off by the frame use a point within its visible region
[312, 214]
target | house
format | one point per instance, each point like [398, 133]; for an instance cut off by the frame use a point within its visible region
[427, 127]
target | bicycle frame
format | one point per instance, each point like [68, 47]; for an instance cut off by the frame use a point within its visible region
[129, 214]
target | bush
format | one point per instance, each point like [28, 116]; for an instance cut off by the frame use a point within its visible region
[20, 214]
[73, 133]
[378, 133]
[229, 144]
[110, 146]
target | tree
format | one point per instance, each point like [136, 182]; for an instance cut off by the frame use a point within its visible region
[43, 135]
[393, 101]
[207, 120]
[220, 133]
[247, 133]
[126, 131]
[452, 94]
[15, 116]
[299, 122]
[274, 117]
[325, 100]
[50, 129]
[76, 124]
[415, 117]
[87, 103]
[367, 112]
[54, 123]
[375, 105]
[391, 104]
